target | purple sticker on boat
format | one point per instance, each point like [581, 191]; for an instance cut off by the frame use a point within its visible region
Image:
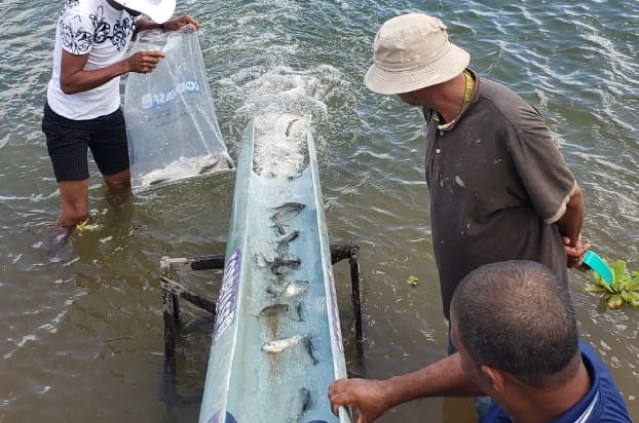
[228, 295]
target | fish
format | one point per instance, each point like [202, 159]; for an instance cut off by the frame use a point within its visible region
[282, 266]
[283, 241]
[278, 345]
[299, 405]
[287, 211]
[277, 258]
[294, 310]
[288, 128]
[280, 228]
[287, 237]
[281, 259]
[206, 168]
[153, 181]
[308, 347]
[274, 309]
[183, 167]
[288, 289]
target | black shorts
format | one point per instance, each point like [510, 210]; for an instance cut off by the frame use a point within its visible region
[68, 140]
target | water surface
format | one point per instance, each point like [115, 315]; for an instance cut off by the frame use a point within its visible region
[81, 329]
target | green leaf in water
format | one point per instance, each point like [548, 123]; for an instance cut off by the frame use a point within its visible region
[595, 288]
[412, 280]
[630, 297]
[619, 270]
[624, 288]
[633, 283]
[615, 301]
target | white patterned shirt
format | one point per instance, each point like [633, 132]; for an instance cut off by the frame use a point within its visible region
[95, 28]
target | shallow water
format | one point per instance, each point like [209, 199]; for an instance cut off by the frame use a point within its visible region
[81, 328]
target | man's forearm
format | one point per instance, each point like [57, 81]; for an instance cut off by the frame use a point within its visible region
[442, 378]
[572, 220]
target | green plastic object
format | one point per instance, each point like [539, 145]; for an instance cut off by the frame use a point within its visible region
[597, 264]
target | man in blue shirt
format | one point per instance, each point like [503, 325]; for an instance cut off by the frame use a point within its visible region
[515, 332]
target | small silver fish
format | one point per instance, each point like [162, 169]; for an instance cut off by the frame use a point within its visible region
[288, 128]
[286, 289]
[273, 309]
[287, 211]
[287, 237]
[280, 228]
[294, 310]
[206, 168]
[158, 181]
[280, 258]
[284, 240]
[282, 266]
[279, 345]
[180, 168]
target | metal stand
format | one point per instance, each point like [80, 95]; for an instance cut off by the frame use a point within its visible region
[351, 252]
[172, 291]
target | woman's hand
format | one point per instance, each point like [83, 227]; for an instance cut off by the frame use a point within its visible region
[144, 61]
[176, 23]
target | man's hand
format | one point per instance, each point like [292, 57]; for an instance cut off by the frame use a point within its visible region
[570, 228]
[177, 23]
[144, 61]
[369, 397]
[575, 252]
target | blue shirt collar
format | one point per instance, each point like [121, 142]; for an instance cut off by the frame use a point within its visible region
[580, 412]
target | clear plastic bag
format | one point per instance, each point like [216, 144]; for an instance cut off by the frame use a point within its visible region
[171, 122]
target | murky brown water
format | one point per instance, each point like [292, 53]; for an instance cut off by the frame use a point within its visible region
[81, 330]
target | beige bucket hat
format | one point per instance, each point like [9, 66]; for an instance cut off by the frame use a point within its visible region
[411, 52]
[159, 11]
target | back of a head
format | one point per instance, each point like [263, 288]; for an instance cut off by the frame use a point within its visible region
[516, 316]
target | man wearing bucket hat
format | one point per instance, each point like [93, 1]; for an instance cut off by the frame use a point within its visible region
[499, 186]
[534, 367]
[82, 110]
[500, 189]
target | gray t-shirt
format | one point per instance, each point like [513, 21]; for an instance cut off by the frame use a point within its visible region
[498, 184]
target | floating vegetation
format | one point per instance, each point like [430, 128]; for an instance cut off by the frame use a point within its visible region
[412, 280]
[624, 289]
[86, 226]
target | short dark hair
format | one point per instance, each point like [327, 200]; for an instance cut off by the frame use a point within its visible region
[516, 316]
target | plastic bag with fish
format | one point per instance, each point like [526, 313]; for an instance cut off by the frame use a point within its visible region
[171, 122]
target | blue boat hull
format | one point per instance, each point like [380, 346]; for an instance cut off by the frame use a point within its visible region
[277, 343]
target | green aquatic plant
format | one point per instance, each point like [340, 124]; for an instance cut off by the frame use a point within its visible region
[624, 288]
[86, 226]
[412, 281]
